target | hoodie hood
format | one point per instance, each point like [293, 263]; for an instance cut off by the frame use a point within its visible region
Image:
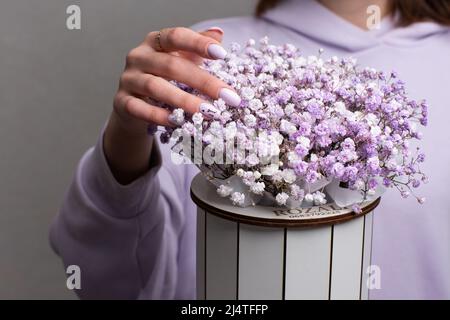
[315, 21]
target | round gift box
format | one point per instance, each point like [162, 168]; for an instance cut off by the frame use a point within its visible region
[262, 252]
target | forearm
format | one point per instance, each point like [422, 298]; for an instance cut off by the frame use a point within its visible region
[102, 226]
[127, 148]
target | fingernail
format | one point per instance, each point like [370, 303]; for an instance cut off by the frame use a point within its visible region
[172, 120]
[216, 52]
[218, 29]
[208, 110]
[230, 97]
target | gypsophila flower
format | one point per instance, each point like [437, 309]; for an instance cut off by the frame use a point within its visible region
[224, 191]
[281, 198]
[297, 193]
[319, 198]
[303, 119]
[197, 118]
[257, 187]
[356, 208]
[309, 198]
[237, 198]
[177, 117]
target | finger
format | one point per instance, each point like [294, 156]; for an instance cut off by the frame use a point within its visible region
[142, 110]
[161, 90]
[184, 71]
[184, 39]
[195, 58]
[215, 33]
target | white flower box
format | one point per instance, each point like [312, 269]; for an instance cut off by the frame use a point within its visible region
[260, 252]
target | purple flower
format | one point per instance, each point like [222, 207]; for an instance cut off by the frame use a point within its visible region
[372, 184]
[356, 208]
[416, 183]
[315, 109]
[348, 144]
[301, 150]
[421, 157]
[311, 176]
[322, 129]
[338, 170]
[350, 174]
[300, 168]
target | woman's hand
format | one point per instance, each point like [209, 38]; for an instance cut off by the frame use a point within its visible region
[170, 54]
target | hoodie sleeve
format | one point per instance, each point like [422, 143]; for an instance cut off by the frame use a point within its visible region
[125, 239]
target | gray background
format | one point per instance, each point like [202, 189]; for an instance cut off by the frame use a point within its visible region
[56, 88]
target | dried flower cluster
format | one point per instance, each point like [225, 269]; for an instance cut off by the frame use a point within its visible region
[304, 122]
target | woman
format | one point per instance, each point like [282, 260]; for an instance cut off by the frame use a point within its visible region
[127, 219]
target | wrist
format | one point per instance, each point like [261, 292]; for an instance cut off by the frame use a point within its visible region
[128, 127]
[127, 147]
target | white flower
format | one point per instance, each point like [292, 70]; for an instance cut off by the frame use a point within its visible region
[188, 129]
[238, 198]
[257, 187]
[304, 141]
[247, 93]
[287, 127]
[359, 184]
[252, 160]
[350, 115]
[197, 118]
[250, 120]
[297, 193]
[289, 176]
[177, 116]
[276, 137]
[281, 198]
[319, 198]
[225, 116]
[292, 157]
[372, 119]
[277, 176]
[278, 61]
[224, 191]
[289, 109]
[215, 128]
[230, 130]
[375, 130]
[220, 104]
[359, 89]
[309, 198]
[251, 42]
[176, 134]
[269, 170]
[395, 105]
[257, 174]
[255, 104]
[339, 107]
[240, 172]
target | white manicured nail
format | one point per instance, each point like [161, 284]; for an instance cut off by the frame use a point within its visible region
[208, 110]
[218, 29]
[230, 97]
[216, 52]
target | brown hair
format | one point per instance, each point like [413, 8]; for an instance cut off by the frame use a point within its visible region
[410, 10]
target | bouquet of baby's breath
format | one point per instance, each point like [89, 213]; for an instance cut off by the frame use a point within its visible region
[308, 129]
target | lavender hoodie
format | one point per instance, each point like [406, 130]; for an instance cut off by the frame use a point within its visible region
[138, 241]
